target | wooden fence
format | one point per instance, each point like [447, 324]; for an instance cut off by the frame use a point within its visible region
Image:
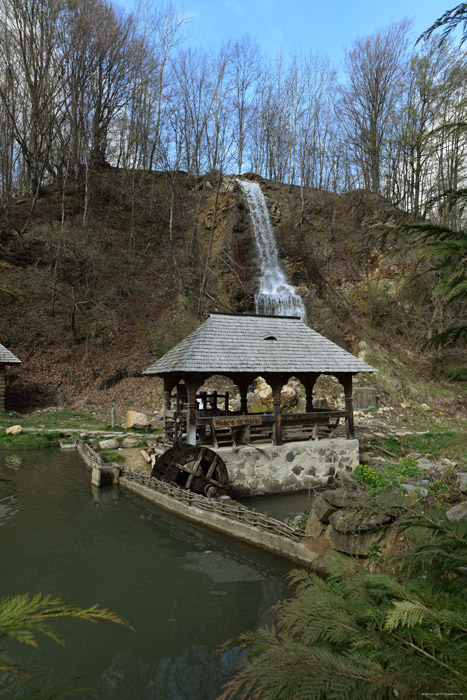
[227, 510]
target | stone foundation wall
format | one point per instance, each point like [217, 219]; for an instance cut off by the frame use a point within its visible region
[296, 466]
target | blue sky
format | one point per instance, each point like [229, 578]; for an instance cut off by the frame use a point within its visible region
[323, 26]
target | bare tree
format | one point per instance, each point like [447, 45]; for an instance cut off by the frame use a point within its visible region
[246, 74]
[33, 81]
[373, 68]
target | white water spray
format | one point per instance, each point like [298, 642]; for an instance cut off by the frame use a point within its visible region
[276, 297]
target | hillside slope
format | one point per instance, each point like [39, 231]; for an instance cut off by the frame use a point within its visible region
[98, 284]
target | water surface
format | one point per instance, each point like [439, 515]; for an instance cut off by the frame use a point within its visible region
[184, 590]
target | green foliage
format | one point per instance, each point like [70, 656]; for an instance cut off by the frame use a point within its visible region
[449, 21]
[452, 372]
[445, 251]
[355, 634]
[110, 456]
[25, 617]
[301, 525]
[374, 551]
[389, 476]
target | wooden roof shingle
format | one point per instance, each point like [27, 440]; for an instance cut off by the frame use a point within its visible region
[7, 357]
[228, 343]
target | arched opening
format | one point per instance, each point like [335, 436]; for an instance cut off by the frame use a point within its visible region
[260, 396]
[293, 396]
[218, 393]
[328, 393]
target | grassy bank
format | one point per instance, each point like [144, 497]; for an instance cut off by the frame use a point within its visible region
[30, 440]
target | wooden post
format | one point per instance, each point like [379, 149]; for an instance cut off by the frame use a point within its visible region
[346, 381]
[113, 413]
[167, 395]
[2, 388]
[191, 413]
[243, 388]
[277, 431]
[309, 382]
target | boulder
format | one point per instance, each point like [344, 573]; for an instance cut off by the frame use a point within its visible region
[288, 397]
[417, 490]
[462, 482]
[347, 520]
[110, 444]
[14, 430]
[262, 397]
[314, 527]
[130, 442]
[457, 512]
[136, 420]
[352, 543]
[322, 508]
[342, 498]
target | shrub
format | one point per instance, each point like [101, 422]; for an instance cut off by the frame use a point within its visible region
[354, 634]
[389, 476]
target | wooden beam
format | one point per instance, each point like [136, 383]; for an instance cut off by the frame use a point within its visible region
[191, 387]
[2, 388]
[346, 381]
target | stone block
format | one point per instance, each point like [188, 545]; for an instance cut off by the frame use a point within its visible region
[136, 420]
[322, 508]
[462, 482]
[110, 444]
[289, 480]
[352, 543]
[314, 527]
[14, 430]
[457, 512]
[271, 486]
[348, 520]
[417, 490]
[130, 442]
[342, 498]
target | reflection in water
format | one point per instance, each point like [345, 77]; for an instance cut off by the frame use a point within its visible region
[13, 461]
[193, 675]
[8, 509]
[184, 590]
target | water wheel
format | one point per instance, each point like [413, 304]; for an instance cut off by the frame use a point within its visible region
[193, 468]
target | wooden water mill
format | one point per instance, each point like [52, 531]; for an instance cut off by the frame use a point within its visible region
[193, 468]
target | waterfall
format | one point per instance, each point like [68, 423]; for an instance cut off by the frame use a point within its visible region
[275, 297]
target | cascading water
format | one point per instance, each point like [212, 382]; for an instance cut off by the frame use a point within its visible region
[276, 297]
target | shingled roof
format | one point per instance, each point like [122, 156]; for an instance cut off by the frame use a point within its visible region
[7, 357]
[228, 343]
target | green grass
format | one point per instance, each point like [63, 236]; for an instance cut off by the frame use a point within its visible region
[447, 443]
[29, 441]
[52, 419]
[110, 456]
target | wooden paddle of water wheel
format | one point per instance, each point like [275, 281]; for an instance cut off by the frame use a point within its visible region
[193, 468]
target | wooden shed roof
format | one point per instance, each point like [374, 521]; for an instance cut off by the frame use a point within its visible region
[7, 357]
[228, 343]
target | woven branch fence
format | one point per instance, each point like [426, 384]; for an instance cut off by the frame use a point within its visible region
[234, 512]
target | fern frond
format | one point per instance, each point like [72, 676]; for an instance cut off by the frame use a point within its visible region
[24, 616]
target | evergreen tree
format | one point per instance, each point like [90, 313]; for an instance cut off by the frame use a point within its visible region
[348, 633]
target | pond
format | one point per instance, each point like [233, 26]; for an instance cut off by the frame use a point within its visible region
[184, 590]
